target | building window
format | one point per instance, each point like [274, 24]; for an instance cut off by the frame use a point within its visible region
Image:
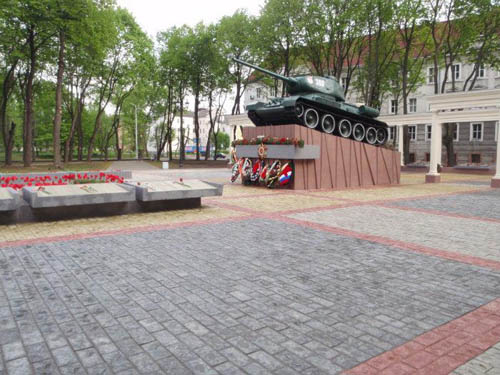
[482, 71]
[394, 106]
[431, 79]
[427, 156]
[412, 132]
[413, 105]
[455, 132]
[456, 71]
[497, 128]
[392, 133]
[475, 158]
[412, 157]
[260, 92]
[428, 132]
[476, 131]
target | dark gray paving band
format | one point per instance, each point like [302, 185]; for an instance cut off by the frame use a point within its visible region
[249, 297]
[482, 204]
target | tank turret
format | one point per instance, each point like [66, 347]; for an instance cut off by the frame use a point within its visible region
[318, 103]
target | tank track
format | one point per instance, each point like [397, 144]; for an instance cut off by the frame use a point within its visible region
[373, 132]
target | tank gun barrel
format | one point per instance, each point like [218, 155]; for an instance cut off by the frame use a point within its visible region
[291, 81]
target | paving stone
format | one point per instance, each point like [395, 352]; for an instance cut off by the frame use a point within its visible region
[266, 360]
[156, 350]
[314, 302]
[13, 350]
[19, 366]
[117, 361]
[89, 357]
[64, 356]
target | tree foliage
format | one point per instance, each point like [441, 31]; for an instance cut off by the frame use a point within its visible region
[77, 75]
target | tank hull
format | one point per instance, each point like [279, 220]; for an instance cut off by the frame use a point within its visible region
[285, 110]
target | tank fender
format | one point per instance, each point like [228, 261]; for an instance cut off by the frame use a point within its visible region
[369, 111]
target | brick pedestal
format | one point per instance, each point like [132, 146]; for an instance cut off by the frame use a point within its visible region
[342, 163]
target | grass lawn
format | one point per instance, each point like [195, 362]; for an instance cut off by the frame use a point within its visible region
[17, 167]
[174, 164]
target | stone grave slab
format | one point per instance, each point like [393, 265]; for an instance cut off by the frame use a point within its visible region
[149, 191]
[77, 195]
[9, 199]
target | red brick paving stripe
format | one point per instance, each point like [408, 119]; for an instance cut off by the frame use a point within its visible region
[441, 350]
[149, 228]
[399, 244]
[440, 213]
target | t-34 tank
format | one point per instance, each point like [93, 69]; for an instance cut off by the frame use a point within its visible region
[318, 103]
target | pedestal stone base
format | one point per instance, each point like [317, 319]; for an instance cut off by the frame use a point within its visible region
[432, 178]
[495, 183]
[341, 163]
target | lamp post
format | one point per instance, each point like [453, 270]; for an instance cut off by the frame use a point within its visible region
[136, 137]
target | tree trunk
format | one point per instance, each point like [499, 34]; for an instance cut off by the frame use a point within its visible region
[197, 121]
[58, 111]
[79, 130]
[10, 144]
[181, 136]
[7, 133]
[170, 146]
[406, 145]
[118, 146]
[28, 102]
[448, 143]
[97, 127]
[68, 144]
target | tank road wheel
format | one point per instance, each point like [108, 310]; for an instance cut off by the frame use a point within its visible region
[311, 118]
[358, 132]
[299, 110]
[371, 136]
[381, 136]
[345, 128]
[328, 123]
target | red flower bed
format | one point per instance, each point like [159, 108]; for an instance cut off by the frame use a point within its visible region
[18, 183]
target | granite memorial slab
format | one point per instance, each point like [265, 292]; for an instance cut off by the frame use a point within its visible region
[77, 195]
[9, 199]
[149, 191]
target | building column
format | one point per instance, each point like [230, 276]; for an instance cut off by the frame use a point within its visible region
[495, 181]
[401, 145]
[436, 149]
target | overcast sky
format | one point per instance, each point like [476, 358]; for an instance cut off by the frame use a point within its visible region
[159, 15]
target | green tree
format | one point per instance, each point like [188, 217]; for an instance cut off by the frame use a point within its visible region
[11, 49]
[175, 47]
[237, 37]
[333, 37]
[280, 33]
[373, 79]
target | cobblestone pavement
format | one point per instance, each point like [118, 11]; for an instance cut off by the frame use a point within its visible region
[484, 204]
[486, 363]
[262, 282]
[464, 236]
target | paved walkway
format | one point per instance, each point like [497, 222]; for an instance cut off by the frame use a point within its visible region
[371, 281]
